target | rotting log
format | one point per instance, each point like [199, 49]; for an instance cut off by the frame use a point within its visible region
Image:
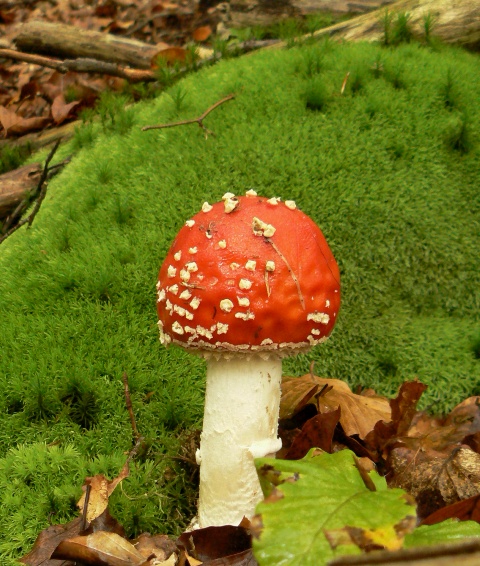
[454, 22]
[15, 186]
[244, 13]
[70, 42]
[37, 140]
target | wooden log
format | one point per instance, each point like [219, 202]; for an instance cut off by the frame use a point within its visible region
[70, 42]
[37, 140]
[454, 21]
[15, 186]
[244, 13]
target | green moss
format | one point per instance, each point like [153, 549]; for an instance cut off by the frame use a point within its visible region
[379, 170]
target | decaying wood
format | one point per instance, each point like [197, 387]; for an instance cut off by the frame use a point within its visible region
[70, 42]
[454, 21]
[81, 65]
[37, 140]
[242, 13]
[33, 199]
[15, 185]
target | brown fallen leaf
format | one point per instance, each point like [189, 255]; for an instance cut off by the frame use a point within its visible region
[435, 480]
[403, 411]
[12, 123]
[61, 110]
[100, 491]
[48, 540]
[359, 413]
[202, 33]
[99, 548]
[465, 510]
[170, 55]
[159, 546]
[317, 432]
[219, 546]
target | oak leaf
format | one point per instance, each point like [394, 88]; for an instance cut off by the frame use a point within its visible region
[359, 413]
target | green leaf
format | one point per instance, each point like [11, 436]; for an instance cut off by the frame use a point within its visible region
[447, 531]
[320, 507]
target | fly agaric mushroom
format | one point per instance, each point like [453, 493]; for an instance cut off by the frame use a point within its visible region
[246, 282]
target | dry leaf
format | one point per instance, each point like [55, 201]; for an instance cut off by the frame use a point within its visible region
[465, 510]
[435, 480]
[170, 55]
[202, 33]
[100, 491]
[317, 432]
[161, 546]
[359, 413]
[14, 124]
[100, 548]
[61, 110]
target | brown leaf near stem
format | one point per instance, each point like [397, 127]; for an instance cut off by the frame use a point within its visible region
[202, 33]
[403, 411]
[359, 413]
[61, 110]
[100, 491]
[159, 546]
[48, 540]
[99, 548]
[465, 510]
[317, 432]
[218, 545]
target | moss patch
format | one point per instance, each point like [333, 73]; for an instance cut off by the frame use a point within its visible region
[389, 170]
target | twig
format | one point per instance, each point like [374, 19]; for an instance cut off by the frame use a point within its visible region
[81, 65]
[83, 525]
[344, 84]
[128, 402]
[41, 191]
[198, 120]
[42, 185]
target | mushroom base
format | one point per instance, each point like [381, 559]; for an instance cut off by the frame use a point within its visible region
[240, 423]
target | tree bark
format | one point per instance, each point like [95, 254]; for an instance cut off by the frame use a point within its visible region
[454, 21]
[244, 13]
[15, 185]
[70, 42]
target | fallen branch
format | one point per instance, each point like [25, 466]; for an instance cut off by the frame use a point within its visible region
[73, 42]
[128, 402]
[81, 65]
[198, 120]
[38, 196]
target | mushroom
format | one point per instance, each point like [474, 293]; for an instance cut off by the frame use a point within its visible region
[246, 282]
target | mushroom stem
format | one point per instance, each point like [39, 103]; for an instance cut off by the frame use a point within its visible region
[240, 423]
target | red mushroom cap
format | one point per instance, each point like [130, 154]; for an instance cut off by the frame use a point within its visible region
[248, 274]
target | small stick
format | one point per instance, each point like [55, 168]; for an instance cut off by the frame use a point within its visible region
[198, 120]
[344, 84]
[83, 525]
[128, 402]
[81, 65]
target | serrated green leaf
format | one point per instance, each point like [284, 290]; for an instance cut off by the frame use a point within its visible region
[319, 508]
[447, 531]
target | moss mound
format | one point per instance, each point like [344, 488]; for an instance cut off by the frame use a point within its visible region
[389, 170]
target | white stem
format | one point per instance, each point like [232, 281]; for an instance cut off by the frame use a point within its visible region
[240, 424]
